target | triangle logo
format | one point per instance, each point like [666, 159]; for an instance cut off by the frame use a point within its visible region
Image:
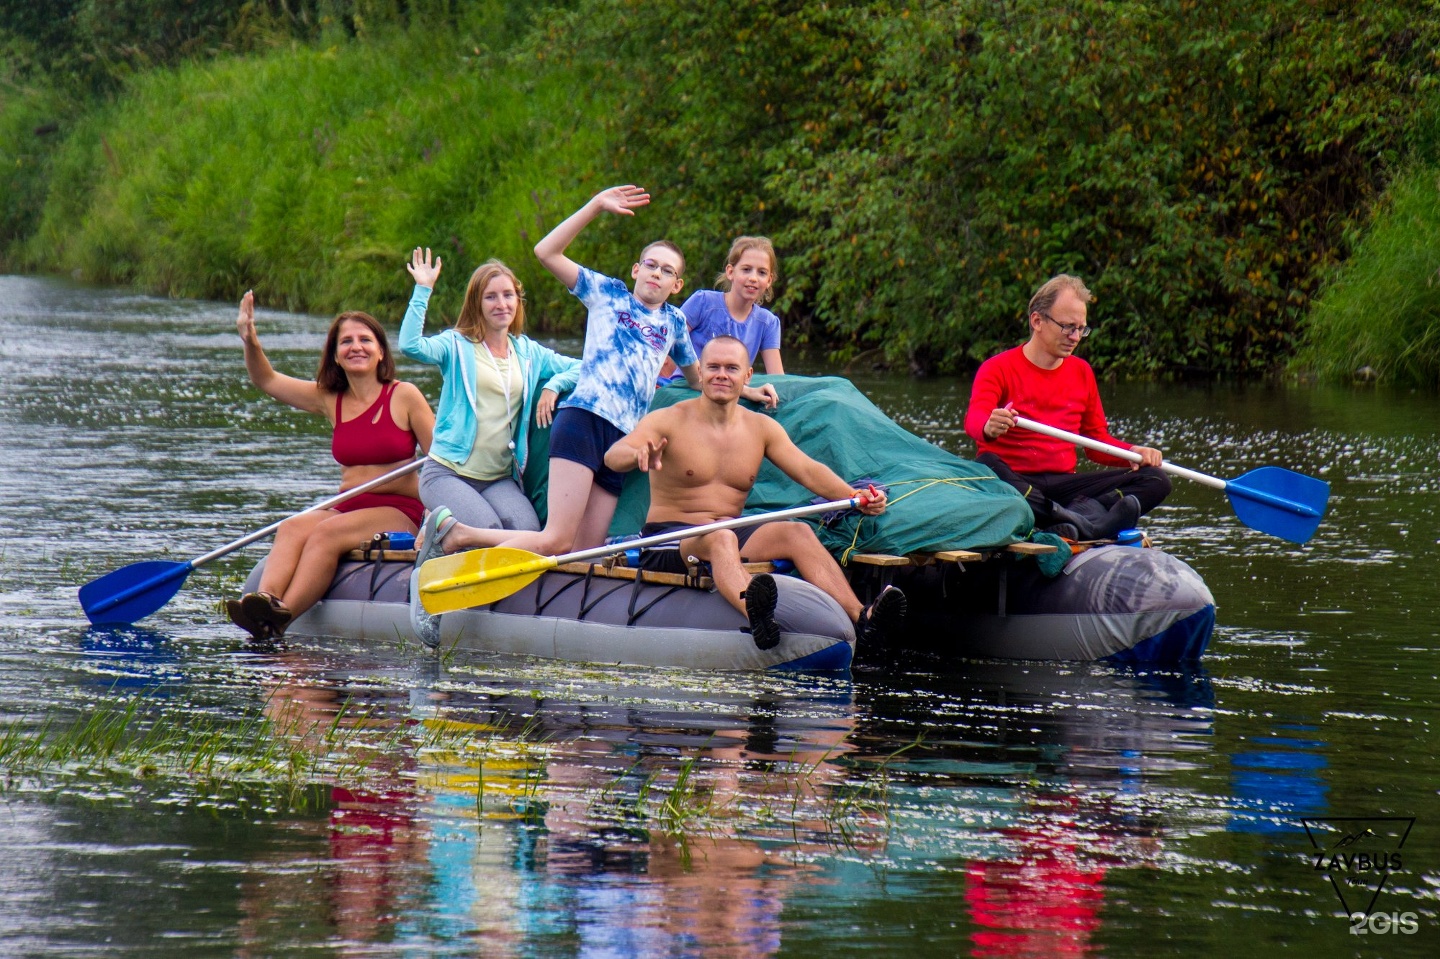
[1358, 854]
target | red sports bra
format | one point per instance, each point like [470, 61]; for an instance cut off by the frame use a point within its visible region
[364, 442]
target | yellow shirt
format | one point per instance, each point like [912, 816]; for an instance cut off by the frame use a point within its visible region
[499, 394]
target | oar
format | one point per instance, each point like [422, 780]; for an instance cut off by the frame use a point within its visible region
[135, 591]
[1272, 499]
[480, 577]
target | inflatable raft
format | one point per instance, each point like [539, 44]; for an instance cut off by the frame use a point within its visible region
[1115, 604]
[954, 539]
[602, 615]
[1110, 604]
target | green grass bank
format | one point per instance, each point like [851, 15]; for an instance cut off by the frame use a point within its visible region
[309, 172]
[1208, 168]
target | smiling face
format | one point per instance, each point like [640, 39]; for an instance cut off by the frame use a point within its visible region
[751, 275]
[498, 303]
[724, 369]
[658, 275]
[357, 351]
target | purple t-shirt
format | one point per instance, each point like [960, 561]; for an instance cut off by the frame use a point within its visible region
[707, 317]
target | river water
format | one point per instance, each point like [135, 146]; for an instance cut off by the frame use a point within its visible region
[329, 798]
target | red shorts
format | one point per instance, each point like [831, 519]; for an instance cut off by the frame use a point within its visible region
[408, 505]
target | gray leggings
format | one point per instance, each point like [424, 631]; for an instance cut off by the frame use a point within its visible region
[493, 504]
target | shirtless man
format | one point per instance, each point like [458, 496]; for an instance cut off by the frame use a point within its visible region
[703, 456]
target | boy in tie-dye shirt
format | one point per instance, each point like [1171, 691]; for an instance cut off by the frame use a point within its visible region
[628, 335]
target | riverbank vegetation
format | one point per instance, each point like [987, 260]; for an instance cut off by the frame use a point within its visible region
[1207, 167]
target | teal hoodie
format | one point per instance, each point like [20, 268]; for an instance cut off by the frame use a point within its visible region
[541, 368]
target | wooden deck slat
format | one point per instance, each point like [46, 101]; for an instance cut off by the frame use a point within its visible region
[388, 555]
[958, 556]
[1031, 549]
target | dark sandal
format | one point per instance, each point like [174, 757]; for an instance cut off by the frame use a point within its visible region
[267, 609]
[241, 617]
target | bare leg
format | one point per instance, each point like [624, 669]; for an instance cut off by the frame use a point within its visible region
[576, 508]
[285, 553]
[797, 543]
[721, 549]
[327, 543]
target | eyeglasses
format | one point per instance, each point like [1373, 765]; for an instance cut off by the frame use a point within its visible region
[669, 272]
[1069, 329]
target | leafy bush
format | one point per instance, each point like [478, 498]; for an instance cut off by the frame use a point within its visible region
[1381, 314]
[926, 165]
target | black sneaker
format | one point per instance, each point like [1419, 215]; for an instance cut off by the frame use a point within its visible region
[1065, 531]
[760, 599]
[882, 618]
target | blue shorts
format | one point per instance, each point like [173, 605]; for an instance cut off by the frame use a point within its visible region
[582, 437]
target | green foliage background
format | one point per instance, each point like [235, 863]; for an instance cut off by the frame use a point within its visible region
[1207, 167]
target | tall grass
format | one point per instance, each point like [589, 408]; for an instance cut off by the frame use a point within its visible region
[1382, 310]
[310, 172]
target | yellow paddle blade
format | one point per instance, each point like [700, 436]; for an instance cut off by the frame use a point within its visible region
[478, 577]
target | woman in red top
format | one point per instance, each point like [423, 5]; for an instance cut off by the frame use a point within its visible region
[378, 422]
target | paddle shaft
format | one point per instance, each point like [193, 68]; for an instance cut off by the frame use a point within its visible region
[182, 570]
[1131, 455]
[335, 500]
[678, 534]
[540, 563]
[1232, 488]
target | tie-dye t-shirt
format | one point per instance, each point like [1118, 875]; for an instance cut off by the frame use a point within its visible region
[625, 346]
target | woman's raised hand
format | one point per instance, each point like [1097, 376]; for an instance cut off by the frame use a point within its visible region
[245, 322]
[423, 269]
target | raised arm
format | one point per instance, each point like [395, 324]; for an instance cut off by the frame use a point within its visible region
[301, 394]
[620, 200]
[812, 474]
[413, 343]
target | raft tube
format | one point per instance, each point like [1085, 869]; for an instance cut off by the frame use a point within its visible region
[1113, 604]
[591, 619]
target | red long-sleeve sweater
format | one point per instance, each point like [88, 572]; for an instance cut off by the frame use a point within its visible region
[1066, 397]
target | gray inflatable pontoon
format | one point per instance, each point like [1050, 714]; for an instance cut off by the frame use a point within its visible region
[1114, 604]
[591, 619]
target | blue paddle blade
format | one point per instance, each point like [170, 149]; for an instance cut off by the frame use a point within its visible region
[132, 592]
[1280, 502]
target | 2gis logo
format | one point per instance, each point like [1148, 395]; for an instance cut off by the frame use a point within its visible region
[1381, 923]
[1357, 855]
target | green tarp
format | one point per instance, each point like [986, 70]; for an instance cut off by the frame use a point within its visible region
[938, 500]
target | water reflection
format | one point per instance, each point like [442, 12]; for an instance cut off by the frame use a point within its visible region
[646, 818]
[491, 807]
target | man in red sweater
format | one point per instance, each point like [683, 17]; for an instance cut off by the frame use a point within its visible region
[1042, 381]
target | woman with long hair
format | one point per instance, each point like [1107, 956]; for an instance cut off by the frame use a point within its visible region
[378, 422]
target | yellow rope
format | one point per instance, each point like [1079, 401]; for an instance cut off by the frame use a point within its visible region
[956, 481]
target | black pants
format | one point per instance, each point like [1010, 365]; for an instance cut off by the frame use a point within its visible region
[1148, 484]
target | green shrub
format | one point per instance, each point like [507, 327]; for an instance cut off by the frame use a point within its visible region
[1382, 311]
[926, 165]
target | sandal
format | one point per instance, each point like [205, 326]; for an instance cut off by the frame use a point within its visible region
[266, 608]
[241, 617]
[428, 545]
[882, 618]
